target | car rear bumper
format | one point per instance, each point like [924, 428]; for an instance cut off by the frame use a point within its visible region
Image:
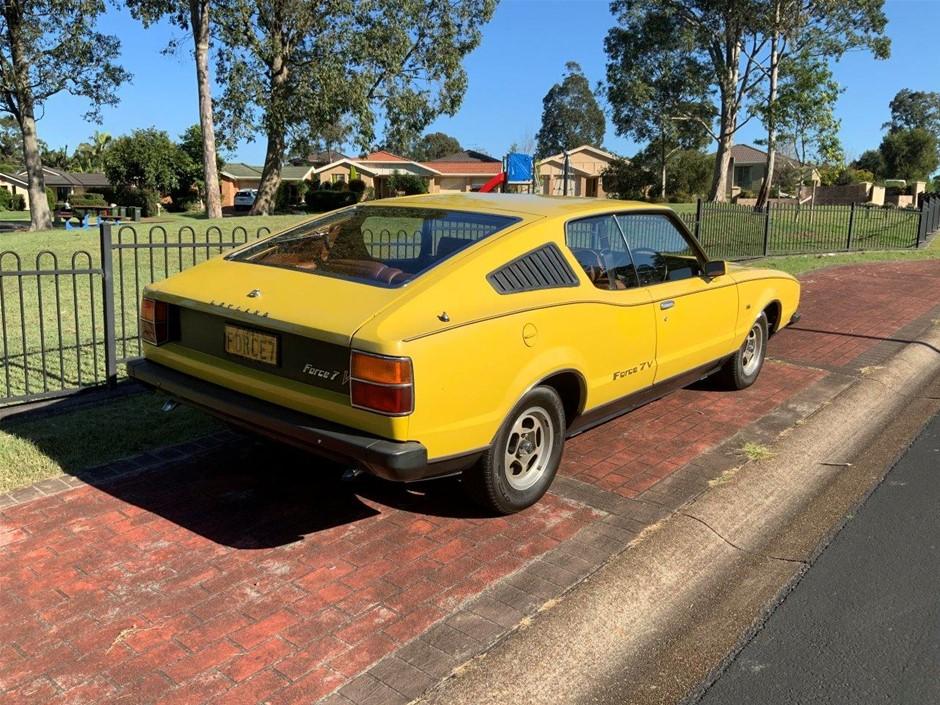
[402, 461]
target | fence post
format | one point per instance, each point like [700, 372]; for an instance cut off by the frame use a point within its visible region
[848, 242]
[698, 218]
[107, 290]
[767, 230]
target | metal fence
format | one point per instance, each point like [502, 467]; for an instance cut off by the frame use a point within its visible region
[731, 231]
[67, 323]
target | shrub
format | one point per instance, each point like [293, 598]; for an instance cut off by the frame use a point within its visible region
[409, 184]
[357, 185]
[87, 199]
[283, 197]
[323, 200]
[50, 198]
[339, 185]
[326, 186]
[148, 201]
[6, 199]
[19, 202]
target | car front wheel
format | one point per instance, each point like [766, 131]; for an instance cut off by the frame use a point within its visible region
[520, 465]
[742, 369]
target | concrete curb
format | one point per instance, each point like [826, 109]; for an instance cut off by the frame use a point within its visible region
[607, 628]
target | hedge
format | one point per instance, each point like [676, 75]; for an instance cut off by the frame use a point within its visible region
[322, 201]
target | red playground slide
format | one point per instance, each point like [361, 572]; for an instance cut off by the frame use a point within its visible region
[497, 180]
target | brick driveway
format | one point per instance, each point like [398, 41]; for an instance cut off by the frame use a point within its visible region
[247, 573]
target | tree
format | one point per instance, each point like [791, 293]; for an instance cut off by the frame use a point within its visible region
[194, 16]
[147, 160]
[627, 179]
[909, 154]
[89, 156]
[800, 34]
[804, 117]
[570, 115]
[288, 66]
[653, 86]
[871, 160]
[912, 109]
[49, 47]
[435, 145]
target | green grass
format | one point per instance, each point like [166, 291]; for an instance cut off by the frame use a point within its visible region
[39, 448]
[798, 264]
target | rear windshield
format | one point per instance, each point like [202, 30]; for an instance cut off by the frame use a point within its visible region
[384, 246]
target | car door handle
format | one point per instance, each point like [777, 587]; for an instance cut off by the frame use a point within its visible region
[666, 304]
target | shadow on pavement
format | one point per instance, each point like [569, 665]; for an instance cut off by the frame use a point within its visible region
[260, 495]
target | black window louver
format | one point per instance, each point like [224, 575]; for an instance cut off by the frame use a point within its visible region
[543, 268]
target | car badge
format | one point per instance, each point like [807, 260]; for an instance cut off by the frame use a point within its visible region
[254, 293]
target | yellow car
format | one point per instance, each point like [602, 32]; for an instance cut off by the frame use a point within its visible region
[426, 336]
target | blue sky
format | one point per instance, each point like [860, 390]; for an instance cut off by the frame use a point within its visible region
[523, 52]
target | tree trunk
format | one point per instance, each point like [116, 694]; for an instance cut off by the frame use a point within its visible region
[22, 99]
[199, 15]
[763, 196]
[276, 133]
[662, 163]
[40, 218]
[728, 118]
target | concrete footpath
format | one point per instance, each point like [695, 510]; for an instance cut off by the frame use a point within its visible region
[228, 571]
[863, 625]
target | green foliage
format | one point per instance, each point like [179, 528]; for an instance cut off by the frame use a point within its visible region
[50, 198]
[287, 67]
[570, 115]
[284, 198]
[915, 109]
[871, 160]
[434, 145]
[6, 200]
[841, 175]
[627, 179]
[89, 156]
[322, 201]
[910, 154]
[19, 202]
[339, 185]
[409, 184]
[87, 199]
[689, 174]
[657, 90]
[357, 186]
[353, 174]
[149, 160]
[146, 199]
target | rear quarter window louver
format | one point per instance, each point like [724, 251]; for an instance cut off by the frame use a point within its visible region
[543, 268]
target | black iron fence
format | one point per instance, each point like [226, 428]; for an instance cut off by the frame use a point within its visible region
[67, 323]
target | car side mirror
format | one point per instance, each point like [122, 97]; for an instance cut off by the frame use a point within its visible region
[716, 268]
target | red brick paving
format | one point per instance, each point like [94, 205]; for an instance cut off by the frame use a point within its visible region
[254, 576]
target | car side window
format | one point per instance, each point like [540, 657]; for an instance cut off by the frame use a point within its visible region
[600, 250]
[661, 252]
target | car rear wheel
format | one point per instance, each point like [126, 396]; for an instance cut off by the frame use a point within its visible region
[743, 368]
[520, 465]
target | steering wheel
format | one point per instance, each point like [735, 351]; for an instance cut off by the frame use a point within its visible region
[651, 272]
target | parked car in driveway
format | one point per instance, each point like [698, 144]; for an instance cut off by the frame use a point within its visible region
[245, 199]
[469, 333]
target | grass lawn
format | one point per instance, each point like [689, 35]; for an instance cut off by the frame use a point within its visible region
[798, 264]
[40, 448]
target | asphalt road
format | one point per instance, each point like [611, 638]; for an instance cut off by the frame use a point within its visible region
[863, 625]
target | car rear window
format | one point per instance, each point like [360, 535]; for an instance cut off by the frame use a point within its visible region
[383, 246]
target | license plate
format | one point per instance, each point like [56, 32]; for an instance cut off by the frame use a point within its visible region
[250, 344]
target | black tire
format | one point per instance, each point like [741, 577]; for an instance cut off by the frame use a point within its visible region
[530, 474]
[742, 369]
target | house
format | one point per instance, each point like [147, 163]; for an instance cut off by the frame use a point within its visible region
[466, 170]
[15, 185]
[586, 164]
[749, 168]
[66, 183]
[235, 177]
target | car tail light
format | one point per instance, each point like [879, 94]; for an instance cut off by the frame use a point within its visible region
[381, 384]
[154, 328]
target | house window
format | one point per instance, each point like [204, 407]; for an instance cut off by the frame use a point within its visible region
[338, 177]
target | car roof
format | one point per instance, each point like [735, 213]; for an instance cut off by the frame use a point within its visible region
[514, 203]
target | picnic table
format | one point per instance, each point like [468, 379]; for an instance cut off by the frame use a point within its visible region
[102, 214]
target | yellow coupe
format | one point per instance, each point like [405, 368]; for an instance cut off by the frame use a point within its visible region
[469, 333]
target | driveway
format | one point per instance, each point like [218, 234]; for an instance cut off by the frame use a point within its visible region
[240, 572]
